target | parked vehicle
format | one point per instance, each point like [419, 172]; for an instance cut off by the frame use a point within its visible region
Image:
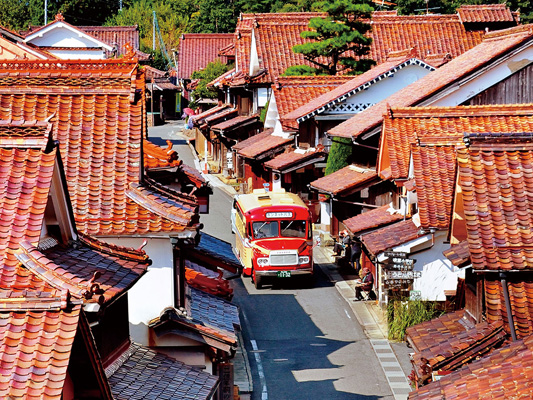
[274, 237]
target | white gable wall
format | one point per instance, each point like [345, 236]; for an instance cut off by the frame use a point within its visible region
[78, 54]
[478, 82]
[154, 291]
[379, 90]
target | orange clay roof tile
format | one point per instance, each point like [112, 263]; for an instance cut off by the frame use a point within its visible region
[257, 149]
[430, 135]
[196, 50]
[494, 175]
[390, 236]
[375, 218]
[96, 109]
[293, 92]
[458, 254]
[345, 180]
[35, 349]
[504, 373]
[277, 33]
[291, 159]
[493, 46]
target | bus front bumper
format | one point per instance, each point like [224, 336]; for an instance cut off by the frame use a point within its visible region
[282, 273]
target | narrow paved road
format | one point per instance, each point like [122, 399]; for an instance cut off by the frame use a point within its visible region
[303, 343]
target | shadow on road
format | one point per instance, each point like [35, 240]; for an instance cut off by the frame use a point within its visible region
[163, 142]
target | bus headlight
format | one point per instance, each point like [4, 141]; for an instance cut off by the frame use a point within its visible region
[263, 262]
[303, 260]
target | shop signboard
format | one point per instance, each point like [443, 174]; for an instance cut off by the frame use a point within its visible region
[398, 269]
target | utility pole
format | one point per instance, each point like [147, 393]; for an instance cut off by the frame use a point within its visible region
[153, 32]
[45, 12]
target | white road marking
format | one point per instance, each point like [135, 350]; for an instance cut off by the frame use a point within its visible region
[260, 371]
[346, 312]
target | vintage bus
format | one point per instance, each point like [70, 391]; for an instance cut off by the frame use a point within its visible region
[273, 235]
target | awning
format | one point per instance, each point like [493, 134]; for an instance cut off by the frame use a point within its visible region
[345, 181]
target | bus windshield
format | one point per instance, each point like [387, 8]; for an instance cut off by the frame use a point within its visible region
[293, 229]
[265, 229]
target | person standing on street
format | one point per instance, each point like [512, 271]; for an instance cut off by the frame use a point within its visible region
[355, 258]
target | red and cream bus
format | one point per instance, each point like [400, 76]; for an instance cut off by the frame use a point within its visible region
[273, 235]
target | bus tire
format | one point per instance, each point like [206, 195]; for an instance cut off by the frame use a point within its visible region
[258, 282]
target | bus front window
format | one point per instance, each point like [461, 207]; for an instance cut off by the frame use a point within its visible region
[266, 229]
[293, 229]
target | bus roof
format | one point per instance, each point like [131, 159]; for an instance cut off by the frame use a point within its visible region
[261, 198]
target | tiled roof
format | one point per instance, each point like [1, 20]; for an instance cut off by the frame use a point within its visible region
[494, 174]
[520, 298]
[214, 115]
[458, 254]
[430, 135]
[426, 334]
[296, 159]
[252, 139]
[177, 210]
[258, 149]
[390, 236]
[25, 179]
[372, 219]
[196, 50]
[207, 280]
[213, 315]
[344, 180]
[158, 157]
[142, 373]
[353, 85]
[35, 352]
[116, 36]
[97, 111]
[494, 45]
[89, 274]
[504, 374]
[485, 13]
[214, 319]
[276, 34]
[215, 253]
[235, 123]
[192, 175]
[294, 92]
[450, 352]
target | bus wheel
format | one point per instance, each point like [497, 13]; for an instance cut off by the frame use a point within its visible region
[258, 281]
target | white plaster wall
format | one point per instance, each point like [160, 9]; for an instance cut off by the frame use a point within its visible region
[78, 55]
[384, 88]
[154, 291]
[438, 273]
[272, 114]
[62, 37]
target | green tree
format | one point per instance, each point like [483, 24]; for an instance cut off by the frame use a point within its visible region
[214, 16]
[340, 155]
[343, 30]
[212, 71]
[172, 23]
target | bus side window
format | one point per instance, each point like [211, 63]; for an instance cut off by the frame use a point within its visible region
[309, 230]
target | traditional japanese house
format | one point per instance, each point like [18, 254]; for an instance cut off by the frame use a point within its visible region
[65, 330]
[97, 109]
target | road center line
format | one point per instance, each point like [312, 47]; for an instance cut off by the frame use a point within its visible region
[260, 371]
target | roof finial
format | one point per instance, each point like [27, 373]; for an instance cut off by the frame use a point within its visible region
[59, 17]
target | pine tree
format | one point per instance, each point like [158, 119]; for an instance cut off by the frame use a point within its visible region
[340, 37]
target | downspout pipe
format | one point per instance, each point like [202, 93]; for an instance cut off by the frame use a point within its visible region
[503, 279]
